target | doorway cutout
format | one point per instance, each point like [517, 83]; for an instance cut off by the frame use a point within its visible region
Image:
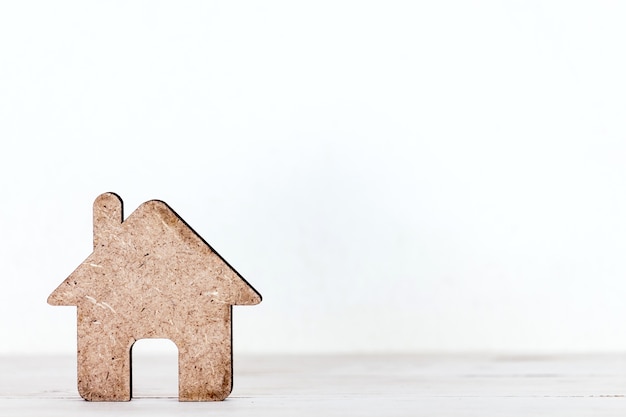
[154, 369]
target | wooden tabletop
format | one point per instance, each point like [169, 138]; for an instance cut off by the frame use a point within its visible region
[340, 385]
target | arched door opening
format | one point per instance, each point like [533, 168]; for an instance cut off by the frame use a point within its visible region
[154, 369]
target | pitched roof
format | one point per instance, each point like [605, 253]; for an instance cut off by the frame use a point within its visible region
[153, 249]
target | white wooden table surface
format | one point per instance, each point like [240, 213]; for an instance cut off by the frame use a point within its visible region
[386, 385]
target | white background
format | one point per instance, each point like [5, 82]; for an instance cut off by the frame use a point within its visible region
[390, 175]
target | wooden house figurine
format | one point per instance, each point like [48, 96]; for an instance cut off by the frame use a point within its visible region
[152, 276]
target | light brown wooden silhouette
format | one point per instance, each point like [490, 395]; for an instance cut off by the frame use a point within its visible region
[152, 276]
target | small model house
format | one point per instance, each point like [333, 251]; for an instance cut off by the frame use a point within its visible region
[152, 276]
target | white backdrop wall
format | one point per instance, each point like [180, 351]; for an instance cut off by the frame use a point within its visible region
[390, 175]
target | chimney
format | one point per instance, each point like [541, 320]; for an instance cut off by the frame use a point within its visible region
[107, 217]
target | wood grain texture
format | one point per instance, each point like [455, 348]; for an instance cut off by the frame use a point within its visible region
[434, 385]
[152, 276]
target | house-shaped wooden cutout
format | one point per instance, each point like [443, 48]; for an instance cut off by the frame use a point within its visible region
[152, 276]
